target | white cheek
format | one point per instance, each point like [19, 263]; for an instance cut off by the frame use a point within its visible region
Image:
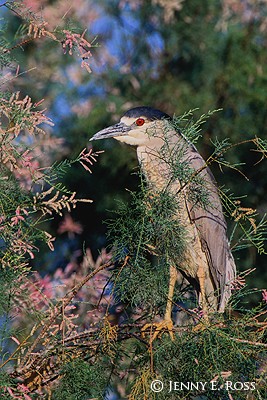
[135, 137]
[129, 140]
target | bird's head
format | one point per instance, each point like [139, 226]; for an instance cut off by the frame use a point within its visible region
[136, 126]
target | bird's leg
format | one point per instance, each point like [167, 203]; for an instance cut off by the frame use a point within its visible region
[201, 278]
[173, 279]
[166, 324]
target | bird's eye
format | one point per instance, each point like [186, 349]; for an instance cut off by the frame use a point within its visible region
[140, 121]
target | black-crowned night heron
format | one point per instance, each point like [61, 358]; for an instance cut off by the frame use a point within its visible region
[207, 261]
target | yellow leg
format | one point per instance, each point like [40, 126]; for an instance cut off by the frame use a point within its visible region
[173, 279]
[166, 324]
[201, 278]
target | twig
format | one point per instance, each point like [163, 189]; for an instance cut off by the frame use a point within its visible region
[248, 342]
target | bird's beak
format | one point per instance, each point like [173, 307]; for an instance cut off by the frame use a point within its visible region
[119, 129]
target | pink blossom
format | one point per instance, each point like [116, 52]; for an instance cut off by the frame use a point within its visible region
[70, 226]
[88, 157]
[21, 247]
[72, 40]
[18, 217]
[264, 295]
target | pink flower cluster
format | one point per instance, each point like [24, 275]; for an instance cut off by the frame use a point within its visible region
[75, 40]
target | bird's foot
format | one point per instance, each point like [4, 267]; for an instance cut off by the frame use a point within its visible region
[200, 327]
[158, 328]
[202, 323]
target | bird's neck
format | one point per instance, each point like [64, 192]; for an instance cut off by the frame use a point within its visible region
[155, 169]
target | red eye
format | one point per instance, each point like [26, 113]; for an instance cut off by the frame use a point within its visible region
[140, 121]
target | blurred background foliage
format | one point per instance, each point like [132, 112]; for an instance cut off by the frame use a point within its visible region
[169, 54]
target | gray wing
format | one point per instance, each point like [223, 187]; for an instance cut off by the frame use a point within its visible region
[212, 229]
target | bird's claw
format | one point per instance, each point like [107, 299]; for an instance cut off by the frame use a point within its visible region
[160, 327]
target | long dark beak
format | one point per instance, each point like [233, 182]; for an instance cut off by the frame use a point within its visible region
[119, 129]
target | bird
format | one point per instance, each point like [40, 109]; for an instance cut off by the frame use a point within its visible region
[207, 261]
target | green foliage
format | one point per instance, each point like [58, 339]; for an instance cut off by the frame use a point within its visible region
[135, 232]
[191, 128]
[209, 57]
[4, 382]
[80, 380]
[201, 357]
[138, 231]
[12, 263]
[5, 58]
